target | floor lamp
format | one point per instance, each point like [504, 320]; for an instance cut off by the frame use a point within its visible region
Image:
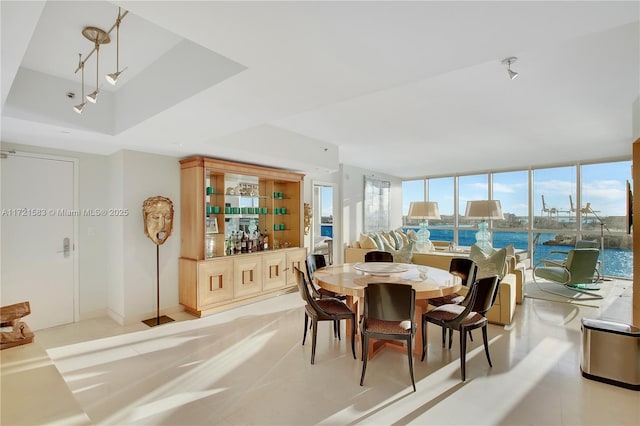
[423, 211]
[484, 209]
[602, 226]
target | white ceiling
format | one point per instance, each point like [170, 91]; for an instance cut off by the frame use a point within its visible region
[402, 88]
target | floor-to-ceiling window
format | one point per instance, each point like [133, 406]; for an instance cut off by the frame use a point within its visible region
[470, 188]
[512, 190]
[603, 214]
[544, 209]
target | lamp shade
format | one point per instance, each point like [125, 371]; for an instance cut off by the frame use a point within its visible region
[484, 209]
[423, 210]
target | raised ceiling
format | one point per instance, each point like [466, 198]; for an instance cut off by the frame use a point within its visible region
[402, 88]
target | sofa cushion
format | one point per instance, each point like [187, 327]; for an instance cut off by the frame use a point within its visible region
[493, 264]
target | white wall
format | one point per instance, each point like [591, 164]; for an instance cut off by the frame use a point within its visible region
[134, 291]
[352, 200]
[635, 119]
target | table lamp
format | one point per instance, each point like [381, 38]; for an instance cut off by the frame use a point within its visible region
[484, 209]
[423, 210]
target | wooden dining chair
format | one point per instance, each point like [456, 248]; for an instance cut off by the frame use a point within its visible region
[313, 262]
[326, 309]
[464, 317]
[378, 256]
[464, 268]
[388, 315]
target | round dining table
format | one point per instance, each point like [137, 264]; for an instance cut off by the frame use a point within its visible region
[351, 279]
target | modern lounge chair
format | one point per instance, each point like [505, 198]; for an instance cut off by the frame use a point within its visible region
[578, 272]
[560, 256]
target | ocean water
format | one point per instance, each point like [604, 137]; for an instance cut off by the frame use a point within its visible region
[617, 262]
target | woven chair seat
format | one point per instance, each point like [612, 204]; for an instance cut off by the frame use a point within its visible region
[445, 300]
[333, 306]
[388, 327]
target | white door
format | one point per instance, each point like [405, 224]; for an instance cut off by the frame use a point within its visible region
[37, 224]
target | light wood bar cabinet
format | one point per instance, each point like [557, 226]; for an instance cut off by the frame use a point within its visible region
[222, 199]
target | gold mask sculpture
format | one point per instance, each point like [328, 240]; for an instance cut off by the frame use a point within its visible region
[157, 213]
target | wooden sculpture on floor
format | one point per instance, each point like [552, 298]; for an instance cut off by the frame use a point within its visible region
[18, 333]
[157, 213]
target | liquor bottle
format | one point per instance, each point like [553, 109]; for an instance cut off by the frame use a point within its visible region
[229, 248]
[265, 241]
[260, 242]
[243, 243]
[236, 243]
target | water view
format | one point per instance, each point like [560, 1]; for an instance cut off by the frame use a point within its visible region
[618, 262]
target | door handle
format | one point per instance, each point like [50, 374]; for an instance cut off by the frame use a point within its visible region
[66, 247]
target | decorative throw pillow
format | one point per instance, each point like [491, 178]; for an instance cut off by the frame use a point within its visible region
[378, 239]
[493, 264]
[411, 235]
[397, 239]
[404, 255]
[387, 237]
[366, 242]
[402, 235]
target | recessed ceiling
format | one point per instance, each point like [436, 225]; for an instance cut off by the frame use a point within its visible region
[403, 88]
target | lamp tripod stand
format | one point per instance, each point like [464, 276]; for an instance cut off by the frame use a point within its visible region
[602, 227]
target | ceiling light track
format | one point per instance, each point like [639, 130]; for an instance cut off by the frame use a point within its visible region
[99, 37]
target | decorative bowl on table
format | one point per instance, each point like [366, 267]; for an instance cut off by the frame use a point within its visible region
[380, 268]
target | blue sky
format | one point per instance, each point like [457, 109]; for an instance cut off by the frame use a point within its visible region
[603, 186]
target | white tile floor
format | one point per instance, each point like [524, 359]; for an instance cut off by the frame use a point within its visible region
[246, 366]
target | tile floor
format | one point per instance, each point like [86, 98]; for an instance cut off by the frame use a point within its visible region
[247, 366]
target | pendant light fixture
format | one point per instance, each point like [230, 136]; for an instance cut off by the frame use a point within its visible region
[78, 108]
[508, 62]
[99, 37]
[113, 77]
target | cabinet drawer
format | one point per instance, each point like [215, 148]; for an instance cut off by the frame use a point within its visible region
[247, 275]
[295, 259]
[274, 265]
[215, 282]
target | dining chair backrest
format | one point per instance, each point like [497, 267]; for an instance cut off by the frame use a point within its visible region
[464, 268]
[487, 291]
[313, 262]
[389, 301]
[305, 292]
[378, 256]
